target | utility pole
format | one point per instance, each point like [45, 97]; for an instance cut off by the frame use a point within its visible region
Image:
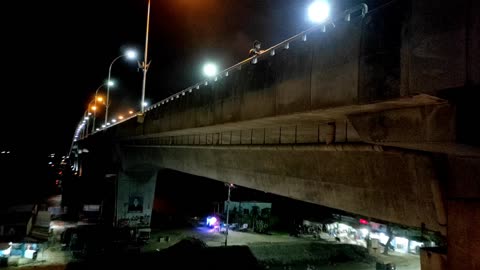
[144, 65]
[230, 186]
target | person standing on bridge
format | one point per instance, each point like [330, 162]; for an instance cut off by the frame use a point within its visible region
[256, 49]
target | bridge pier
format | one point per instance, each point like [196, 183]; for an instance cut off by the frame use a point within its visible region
[463, 241]
[463, 213]
[135, 191]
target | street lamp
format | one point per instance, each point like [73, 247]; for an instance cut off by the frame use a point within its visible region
[210, 69]
[130, 54]
[230, 186]
[144, 65]
[318, 11]
[94, 107]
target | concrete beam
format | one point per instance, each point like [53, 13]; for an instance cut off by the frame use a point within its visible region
[388, 185]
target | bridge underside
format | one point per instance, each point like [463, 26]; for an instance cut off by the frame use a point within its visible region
[387, 184]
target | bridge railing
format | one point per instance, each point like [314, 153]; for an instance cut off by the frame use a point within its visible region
[346, 15]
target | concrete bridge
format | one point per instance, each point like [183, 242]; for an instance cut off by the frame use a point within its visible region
[374, 115]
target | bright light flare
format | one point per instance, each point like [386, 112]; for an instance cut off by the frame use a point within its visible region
[211, 221]
[318, 11]
[131, 54]
[210, 70]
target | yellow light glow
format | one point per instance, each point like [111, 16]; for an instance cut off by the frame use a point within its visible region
[120, 117]
[130, 112]
[100, 99]
[94, 108]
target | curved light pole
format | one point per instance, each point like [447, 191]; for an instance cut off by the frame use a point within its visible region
[94, 109]
[130, 55]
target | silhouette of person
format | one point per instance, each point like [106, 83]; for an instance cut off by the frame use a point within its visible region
[256, 50]
[135, 206]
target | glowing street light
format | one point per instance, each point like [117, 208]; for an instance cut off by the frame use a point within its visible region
[318, 11]
[130, 54]
[99, 99]
[130, 112]
[210, 69]
[120, 117]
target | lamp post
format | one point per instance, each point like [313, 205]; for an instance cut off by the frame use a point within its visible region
[230, 186]
[144, 65]
[130, 55]
[94, 108]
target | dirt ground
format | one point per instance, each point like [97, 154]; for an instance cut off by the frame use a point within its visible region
[215, 239]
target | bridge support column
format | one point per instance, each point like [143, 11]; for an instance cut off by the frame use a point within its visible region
[135, 191]
[463, 239]
[463, 214]
[462, 204]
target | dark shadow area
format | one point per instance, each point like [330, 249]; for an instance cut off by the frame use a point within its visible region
[187, 254]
